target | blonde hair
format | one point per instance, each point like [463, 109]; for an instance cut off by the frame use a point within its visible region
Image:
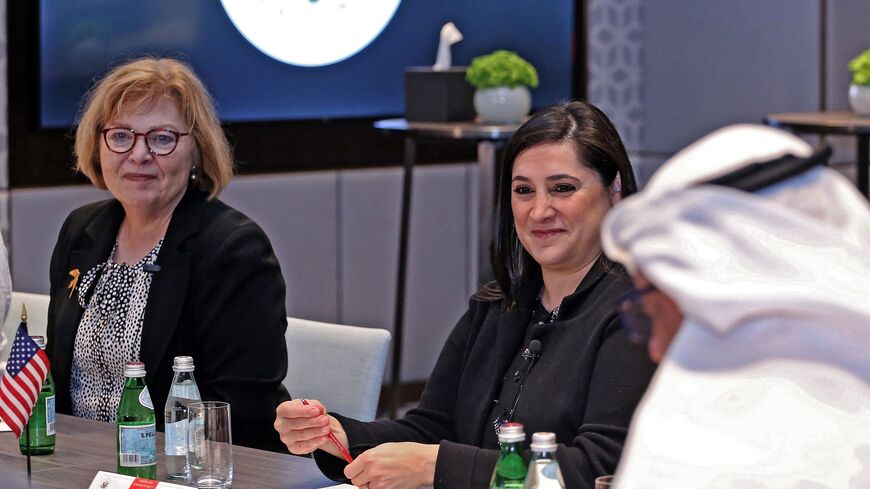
[143, 81]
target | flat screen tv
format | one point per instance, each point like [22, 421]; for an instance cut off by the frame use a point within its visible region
[274, 60]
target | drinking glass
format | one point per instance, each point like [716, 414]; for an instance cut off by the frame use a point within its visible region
[210, 444]
[604, 482]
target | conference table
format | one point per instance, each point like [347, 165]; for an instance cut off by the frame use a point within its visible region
[85, 447]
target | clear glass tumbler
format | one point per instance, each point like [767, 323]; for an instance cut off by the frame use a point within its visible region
[210, 444]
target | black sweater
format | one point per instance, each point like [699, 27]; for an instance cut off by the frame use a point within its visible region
[584, 387]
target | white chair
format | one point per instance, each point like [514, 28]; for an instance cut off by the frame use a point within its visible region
[37, 318]
[341, 366]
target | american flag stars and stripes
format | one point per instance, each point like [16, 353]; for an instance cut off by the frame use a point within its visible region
[26, 370]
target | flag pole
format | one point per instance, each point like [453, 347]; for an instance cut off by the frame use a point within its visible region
[27, 435]
[27, 442]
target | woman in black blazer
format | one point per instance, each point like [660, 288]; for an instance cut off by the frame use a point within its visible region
[543, 346]
[164, 268]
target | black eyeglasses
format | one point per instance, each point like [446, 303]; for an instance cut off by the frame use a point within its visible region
[160, 142]
[532, 353]
[636, 322]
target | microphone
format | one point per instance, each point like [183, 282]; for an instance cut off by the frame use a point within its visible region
[150, 267]
[533, 351]
[530, 354]
[535, 348]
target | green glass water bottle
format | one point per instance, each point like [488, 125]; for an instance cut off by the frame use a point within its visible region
[136, 428]
[41, 424]
[510, 469]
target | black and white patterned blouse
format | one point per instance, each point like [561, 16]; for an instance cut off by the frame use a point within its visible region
[109, 334]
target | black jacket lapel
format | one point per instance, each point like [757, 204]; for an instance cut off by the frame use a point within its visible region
[491, 366]
[169, 285]
[91, 249]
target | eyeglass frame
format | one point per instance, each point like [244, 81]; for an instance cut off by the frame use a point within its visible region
[177, 134]
[634, 320]
[507, 415]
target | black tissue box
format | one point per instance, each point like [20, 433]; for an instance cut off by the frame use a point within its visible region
[438, 96]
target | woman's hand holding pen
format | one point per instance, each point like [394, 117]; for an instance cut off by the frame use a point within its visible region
[305, 428]
[402, 465]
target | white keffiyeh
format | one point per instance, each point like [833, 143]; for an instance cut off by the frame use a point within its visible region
[767, 383]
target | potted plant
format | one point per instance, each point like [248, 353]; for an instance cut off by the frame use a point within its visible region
[859, 90]
[502, 80]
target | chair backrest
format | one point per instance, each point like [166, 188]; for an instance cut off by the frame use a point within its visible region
[340, 366]
[37, 317]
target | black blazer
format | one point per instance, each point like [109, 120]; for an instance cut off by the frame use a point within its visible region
[218, 297]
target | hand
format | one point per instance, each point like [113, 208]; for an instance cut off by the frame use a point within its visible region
[305, 428]
[394, 466]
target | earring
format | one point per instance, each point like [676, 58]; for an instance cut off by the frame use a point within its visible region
[193, 174]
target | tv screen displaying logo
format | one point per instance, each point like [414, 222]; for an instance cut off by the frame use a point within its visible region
[267, 60]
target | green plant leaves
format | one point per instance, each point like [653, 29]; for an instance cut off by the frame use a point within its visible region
[860, 68]
[501, 69]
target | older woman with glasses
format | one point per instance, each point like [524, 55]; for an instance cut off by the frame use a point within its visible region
[752, 272]
[163, 268]
[542, 346]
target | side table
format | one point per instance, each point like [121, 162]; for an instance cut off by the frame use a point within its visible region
[839, 123]
[488, 138]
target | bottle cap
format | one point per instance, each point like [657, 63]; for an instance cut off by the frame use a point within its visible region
[511, 433]
[544, 441]
[183, 364]
[134, 369]
[39, 340]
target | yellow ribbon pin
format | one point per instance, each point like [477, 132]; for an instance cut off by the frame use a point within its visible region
[74, 273]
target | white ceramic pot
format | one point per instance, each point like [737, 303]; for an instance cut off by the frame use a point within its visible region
[502, 105]
[859, 99]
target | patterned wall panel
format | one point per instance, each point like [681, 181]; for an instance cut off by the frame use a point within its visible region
[615, 77]
[4, 130]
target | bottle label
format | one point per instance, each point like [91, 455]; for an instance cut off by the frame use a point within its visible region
[49, 415]
[176, 438]
[145, 398]
[138, 445]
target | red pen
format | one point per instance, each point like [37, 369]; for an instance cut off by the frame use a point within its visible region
[334, 440]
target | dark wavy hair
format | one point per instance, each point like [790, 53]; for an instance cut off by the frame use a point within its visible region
[598, 146]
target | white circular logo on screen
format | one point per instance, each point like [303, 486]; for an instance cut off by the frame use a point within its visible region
[310, 32]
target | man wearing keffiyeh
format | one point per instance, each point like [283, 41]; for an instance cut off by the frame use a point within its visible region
[760, 317]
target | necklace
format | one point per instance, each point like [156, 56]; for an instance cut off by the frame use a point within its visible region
[550, 316]
[554, 314]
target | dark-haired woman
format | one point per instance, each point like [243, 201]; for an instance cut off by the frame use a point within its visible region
[542, 347]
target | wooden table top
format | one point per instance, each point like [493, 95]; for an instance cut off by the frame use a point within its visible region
[84, 447]
[450, 130]
[821, 122]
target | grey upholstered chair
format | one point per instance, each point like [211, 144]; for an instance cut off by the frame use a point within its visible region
[37, 318]
[341, 366]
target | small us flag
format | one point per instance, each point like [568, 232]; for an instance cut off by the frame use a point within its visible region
[26, 370]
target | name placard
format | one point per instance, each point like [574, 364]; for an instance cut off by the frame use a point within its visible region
[110, 480]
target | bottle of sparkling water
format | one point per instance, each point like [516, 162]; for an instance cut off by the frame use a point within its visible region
[510, 469]
[544, 470]
[182, 393]
[137, 438]
[42, 418]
